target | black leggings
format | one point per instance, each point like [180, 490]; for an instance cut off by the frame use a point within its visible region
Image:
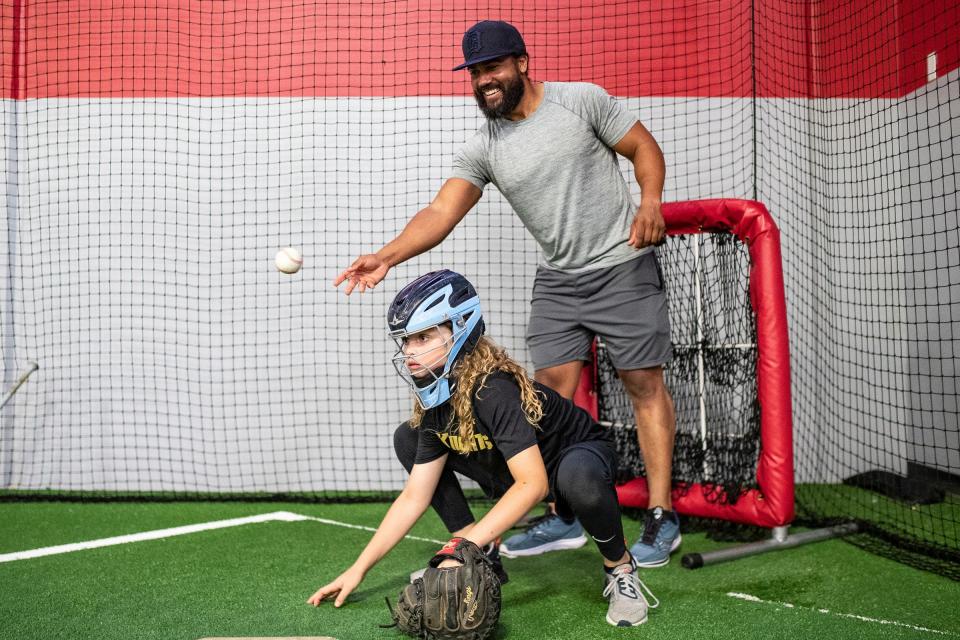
[583, 484]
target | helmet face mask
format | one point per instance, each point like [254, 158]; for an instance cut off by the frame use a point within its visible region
[432, 300]
[429, 365]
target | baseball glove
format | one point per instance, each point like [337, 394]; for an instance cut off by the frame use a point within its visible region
[452, 603]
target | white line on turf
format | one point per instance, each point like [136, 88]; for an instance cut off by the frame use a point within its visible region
[157, 534]
[362, 528]
[853, 616]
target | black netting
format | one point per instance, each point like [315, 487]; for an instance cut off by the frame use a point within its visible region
[157, 155]
[712, 377]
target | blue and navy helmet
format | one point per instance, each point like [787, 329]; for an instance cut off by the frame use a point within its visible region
[429, 301]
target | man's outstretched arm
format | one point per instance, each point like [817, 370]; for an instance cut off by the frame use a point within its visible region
[423, 232]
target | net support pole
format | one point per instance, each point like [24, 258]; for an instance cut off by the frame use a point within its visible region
[6, 460]
[12, 151]
[780, 539]
[16, 385]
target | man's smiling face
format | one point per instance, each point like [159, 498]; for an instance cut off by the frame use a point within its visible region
[498, 85]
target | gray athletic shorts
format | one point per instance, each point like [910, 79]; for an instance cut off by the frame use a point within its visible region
[625, 305]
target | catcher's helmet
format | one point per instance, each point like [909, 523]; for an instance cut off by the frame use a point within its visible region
[433, 299]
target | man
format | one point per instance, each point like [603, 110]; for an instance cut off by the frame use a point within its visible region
[550, 148]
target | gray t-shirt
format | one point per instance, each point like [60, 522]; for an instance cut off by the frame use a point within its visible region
[558, 171]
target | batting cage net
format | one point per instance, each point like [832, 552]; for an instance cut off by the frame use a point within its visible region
[156, 155]
[712, 377]
[730, 373]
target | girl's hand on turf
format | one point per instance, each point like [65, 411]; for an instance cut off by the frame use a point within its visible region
[339, 588]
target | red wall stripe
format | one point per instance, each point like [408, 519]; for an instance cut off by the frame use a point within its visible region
[880, 49]
[347, 48]
[166, 48]
[10, 59]
[927, 26]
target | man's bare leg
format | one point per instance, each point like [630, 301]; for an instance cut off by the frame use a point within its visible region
[563, 378]
[656, 428]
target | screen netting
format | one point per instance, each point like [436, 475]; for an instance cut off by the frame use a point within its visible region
[872, 269]
[712, 377]
[157, 154]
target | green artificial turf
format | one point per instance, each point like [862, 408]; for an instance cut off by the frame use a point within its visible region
[253, 580]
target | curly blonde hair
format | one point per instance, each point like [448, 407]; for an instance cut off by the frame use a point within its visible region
[471, 373]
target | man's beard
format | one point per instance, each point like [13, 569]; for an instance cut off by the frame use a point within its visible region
[512, 95]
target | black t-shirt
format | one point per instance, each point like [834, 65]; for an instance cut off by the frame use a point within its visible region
[502, 430]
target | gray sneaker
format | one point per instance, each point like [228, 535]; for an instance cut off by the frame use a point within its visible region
[549, 534]
[660, 537]
[628, 597]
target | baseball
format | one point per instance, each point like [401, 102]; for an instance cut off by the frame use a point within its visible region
[288, 260]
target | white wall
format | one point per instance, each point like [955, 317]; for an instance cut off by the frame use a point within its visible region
[173, 356]
[865, 193]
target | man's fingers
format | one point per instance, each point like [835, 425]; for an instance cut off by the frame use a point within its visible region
[642, 236]
[350, 273]
[650, 236]
[634, 240]
[356, 281]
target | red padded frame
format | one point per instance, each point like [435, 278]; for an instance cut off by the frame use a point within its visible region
[772, 503]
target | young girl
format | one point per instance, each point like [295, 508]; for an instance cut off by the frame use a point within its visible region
[477, 413]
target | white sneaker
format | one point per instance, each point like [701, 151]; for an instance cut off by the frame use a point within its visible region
[628, 602]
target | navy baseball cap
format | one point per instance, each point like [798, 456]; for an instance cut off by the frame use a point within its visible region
[488, 40]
